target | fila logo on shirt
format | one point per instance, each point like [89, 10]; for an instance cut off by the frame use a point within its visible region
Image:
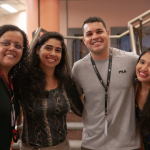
[122, 71]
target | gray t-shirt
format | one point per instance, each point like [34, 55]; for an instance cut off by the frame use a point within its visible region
[122, 130]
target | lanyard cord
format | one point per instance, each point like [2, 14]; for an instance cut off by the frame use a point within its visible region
[9, 88]
[100, 78]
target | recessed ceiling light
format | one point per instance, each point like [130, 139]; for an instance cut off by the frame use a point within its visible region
[8, 8]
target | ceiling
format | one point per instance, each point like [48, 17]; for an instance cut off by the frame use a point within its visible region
[20, 5]
[17, 4]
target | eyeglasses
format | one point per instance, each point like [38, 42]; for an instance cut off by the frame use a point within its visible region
[7, 44]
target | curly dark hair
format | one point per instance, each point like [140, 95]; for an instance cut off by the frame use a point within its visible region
[37, 76]
[17, 70]
[144, 123]
[92, 20]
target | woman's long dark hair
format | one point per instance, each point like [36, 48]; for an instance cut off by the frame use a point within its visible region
[144, 123]
[17, 71]
[37, 76]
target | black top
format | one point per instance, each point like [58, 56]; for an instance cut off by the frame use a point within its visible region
[45, 120]
[146, 141]
[5, 118]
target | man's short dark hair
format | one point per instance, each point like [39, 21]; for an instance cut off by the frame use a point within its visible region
[93, 19]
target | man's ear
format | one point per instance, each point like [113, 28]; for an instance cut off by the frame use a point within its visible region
[84, 40]
[107, 32]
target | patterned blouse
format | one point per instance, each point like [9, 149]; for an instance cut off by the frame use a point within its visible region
[45, 121]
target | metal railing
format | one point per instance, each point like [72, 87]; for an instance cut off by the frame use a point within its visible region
[130, 31]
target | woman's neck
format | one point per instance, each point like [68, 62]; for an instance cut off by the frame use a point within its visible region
[145, 87]
[51, 81]
[49, 74]
[142, 94]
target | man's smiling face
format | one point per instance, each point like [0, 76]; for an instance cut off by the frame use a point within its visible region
[96, 37]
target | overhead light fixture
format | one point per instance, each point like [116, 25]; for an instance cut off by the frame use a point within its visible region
[8, 8]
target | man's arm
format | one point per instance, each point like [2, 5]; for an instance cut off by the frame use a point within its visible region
[75, 76]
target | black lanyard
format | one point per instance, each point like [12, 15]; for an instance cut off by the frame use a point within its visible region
[108, 77]
[11, 93]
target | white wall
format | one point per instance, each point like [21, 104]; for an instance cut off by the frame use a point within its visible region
[18, 19]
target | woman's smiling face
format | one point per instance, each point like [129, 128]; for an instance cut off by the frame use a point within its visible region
[10, 56]
[143, 68]
[50, 53]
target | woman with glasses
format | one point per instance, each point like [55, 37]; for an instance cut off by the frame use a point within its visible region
[48, 96]
[13, 60]
[143, 97]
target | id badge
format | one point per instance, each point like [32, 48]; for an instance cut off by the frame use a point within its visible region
[12, 118]
[106, 127]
